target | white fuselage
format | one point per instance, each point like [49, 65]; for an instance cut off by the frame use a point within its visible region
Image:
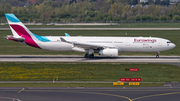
[106, 46]
[123, 44]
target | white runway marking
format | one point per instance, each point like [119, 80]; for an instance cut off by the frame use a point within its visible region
[150, 59]
[8, 98]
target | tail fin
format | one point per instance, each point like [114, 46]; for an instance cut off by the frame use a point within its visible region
[17, 27]
[20, 31]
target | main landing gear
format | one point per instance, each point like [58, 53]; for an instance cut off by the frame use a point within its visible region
[157, 56]
[89, 55]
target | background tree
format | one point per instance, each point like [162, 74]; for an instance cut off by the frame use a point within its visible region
[90, 10]
[7, 8]
[176, 18]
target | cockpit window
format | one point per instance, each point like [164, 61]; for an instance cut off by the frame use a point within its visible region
[169, 42]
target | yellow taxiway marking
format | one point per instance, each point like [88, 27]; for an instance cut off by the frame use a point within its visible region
[155, 95]
[129, 98]
[116, 95]
[107, 94]
[21, 90]
[84, 92]
[110, 94]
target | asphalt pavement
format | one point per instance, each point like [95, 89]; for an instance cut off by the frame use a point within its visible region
[174, 60]
[90, 94]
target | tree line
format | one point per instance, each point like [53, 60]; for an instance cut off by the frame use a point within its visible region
[89, 11]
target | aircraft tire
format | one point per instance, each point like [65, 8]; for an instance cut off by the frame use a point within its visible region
[86, 55]
[157, 56]
[91, 56]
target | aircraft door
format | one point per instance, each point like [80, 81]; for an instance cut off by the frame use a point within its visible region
[159, 43]
[128, 42]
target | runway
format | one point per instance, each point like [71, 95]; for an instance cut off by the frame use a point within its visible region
[98, 28]
[76, 58]
[90, 94]
[170, 92]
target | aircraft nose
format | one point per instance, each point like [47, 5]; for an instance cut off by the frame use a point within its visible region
[173, 45]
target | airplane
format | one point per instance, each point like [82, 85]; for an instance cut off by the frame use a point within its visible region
[105, 46]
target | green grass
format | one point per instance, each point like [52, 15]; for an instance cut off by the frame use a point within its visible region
[87, 72]
[8, 47]
[75, 85]
[121, 25]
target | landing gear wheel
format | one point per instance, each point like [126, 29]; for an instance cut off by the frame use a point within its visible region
[157, 56]
[86, 55]
[91, 56]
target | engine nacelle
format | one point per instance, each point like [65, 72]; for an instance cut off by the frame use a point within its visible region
[109, 52]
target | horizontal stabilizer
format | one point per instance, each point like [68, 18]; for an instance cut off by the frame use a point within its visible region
[21, 39]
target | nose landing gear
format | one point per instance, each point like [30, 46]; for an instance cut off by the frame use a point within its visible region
[157, 56]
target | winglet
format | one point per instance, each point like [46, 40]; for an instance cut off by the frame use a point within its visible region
[66, 34]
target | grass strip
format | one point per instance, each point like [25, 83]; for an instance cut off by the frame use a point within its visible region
[87, 72]
[75, 85]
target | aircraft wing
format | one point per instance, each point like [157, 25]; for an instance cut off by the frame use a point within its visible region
[86, 45]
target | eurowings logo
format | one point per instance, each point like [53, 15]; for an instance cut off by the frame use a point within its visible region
[145, 40]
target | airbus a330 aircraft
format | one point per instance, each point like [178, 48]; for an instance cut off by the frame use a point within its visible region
[106, 46]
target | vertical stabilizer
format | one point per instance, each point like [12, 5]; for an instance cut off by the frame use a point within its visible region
[15, 25]
[19, 30]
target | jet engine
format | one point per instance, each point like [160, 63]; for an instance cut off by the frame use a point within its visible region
[109, 52]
